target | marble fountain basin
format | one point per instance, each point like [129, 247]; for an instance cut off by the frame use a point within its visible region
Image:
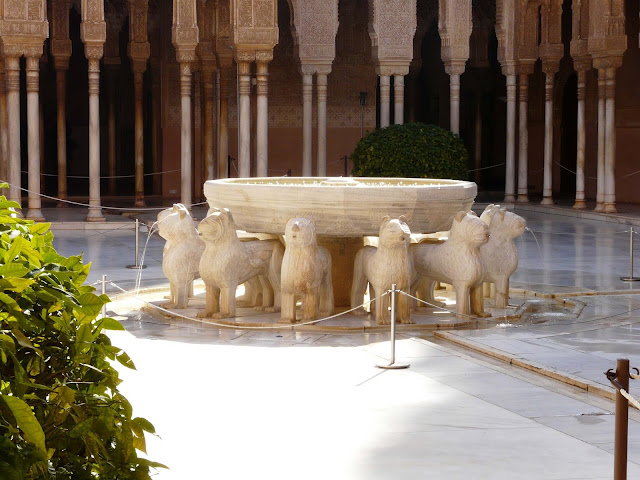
[343, 207]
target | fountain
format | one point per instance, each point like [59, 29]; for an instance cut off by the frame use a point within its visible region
[343, 210]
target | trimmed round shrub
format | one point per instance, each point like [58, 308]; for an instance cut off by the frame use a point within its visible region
[412, 150]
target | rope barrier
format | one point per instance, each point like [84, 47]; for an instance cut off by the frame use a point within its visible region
[106, 176]
[436, 306]
[245, 327]
[571, 171]
[103, 207]
[486, 168]
[632, 400]
[551, 232]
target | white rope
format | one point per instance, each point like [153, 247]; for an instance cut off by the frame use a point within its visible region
[103, 207]
[436, 306]
[486, 168]
[101, 177]
[632, 400]
[551, 232]
[635, 377]
[246, 327]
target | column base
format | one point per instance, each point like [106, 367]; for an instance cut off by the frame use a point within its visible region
[62, 205]
[35, 215]
[599, 207]
[547, 201]
[139, 203]
[522, 198]
[95, 215]
[580, 205]
[610, 208]
[509, 198]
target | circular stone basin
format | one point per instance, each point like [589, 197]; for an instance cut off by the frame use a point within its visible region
[341, 206]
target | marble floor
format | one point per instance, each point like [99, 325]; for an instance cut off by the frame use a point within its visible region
[240, 404]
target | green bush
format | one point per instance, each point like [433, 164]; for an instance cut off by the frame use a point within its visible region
[412, 150]
[61, 415]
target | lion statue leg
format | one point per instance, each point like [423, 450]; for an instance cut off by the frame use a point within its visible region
[212, 302]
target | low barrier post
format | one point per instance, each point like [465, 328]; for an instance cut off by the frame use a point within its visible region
[630, 278]
[136, 266]
[104, 291]
[392, 362]
[622, 422]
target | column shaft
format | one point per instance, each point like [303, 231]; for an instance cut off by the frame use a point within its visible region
[139, 142]
[112, 132]
[4, 138]
[509, 189]
[398, 99]
[322, 125]
[523, 147]
[385, 98]
[454, 102]
[12, 66]
[601, 140]
[244, 120]
[477, 161]
[223, 125]
[209, 154]
[580, 142]
[547, 188]
[262, 125]
[155, 134]
[185, 135]
[34, 211]
[95, 212]
[61, 91]
[610, 150]
[307, 119]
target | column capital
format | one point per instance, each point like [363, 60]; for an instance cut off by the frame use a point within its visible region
[604, 62]
[264, 56]
[582, 63]
[550, 65]
[244, 56]
[455, 66]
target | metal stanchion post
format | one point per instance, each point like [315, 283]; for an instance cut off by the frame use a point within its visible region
[630, 278]
[136, 265]
[104, 291]
[392, 362]
[622, 422]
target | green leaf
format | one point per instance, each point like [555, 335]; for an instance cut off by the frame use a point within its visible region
[110, 324]
[125, 360]
[26, 421]
[90, 304]
[144, 424]
[13, 270]
[14, 251]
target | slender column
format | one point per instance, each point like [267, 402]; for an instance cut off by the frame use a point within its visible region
[523, 147]
[61, 90]
[4, 138]
[111, 79]
[601, 140]
[509, 189]
[610, 150]
[581, 142]
[223, 124]
[307, 112]
[139, 135]
[477, 163]
[322, 124]
[548, 139]
[155, 127]
[398, 99]
[185, 134]
[244, 119]
[95, 212]
[385, 97]
[209, 155]
[12, 66]
[454, 102]
[34, 211]
[262, 107]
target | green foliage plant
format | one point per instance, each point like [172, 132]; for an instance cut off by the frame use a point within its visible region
[412, 150]
[61, 414]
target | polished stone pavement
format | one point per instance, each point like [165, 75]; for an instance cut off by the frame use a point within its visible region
[239, 404]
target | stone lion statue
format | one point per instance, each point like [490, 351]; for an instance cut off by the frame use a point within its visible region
[499, 254]
[383, 266]
[306, 273]
[456, 261]
[181, 254]
[227, 262]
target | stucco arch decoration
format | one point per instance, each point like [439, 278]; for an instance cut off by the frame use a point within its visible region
[315, 25]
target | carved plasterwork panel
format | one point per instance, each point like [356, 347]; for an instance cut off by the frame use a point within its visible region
[454, 26]
[392, 26]
[206, 30]
[184, 32]
[607, 36]
[60, 42]
[139, 47]
[316, 26]
[255, 23]
[24, 22]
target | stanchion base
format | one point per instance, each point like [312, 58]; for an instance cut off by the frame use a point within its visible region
[630, 279]
[136, 267]
[394, 366]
